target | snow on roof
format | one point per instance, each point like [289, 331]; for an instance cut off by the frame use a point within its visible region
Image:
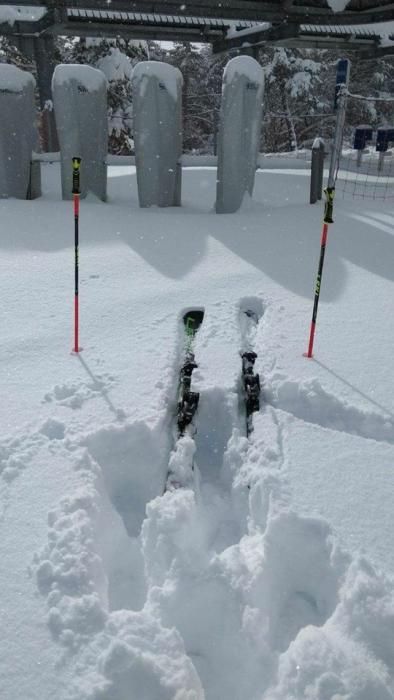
[15, 13]
[338, 5]
[13, 79]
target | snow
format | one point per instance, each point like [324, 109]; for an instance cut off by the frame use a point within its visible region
[243, 65]
[271, 576]
[115, 65]
[15, 13]
[91, 78]
[13, 79]
[338, 5]
[170, 76]
[255, 27]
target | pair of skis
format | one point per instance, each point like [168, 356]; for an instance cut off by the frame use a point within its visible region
[250, 380]
[188, 399]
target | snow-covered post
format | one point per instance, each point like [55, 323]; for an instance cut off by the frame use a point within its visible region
[17, 136]
[157, 114]
[80, 102]
[239, 132]
[317, 167]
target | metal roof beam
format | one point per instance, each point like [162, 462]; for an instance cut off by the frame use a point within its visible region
[271, 11]
[139, 30]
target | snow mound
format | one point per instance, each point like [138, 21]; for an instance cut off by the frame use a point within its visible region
[90, 78]
[170, 76]
[284, 601]
[13, 79]
[309, 401]
[243, 65]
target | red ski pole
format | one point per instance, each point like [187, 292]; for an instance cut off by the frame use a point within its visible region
[343, 69]
[76, 191]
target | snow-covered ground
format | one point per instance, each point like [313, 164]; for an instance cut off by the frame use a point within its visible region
[274, 580]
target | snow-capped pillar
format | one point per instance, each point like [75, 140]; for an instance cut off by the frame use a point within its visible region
[80, 103]
[239, 132]
[157, 114]
[17, 135]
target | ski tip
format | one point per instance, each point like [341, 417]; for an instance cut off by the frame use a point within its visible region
[193, 318]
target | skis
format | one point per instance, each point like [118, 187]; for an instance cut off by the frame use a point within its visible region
[181, 470]
[181, 465]
[250, 380]
[188, 399]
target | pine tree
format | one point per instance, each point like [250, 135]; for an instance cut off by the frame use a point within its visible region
[202, 76]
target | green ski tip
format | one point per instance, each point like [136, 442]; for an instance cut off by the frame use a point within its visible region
[193, 320]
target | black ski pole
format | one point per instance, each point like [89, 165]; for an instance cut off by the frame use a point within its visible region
[76, 191]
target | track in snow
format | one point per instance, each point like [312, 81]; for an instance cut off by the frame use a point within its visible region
[206, 580]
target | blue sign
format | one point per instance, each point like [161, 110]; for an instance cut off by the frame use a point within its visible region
[361, 135]
[383, 138]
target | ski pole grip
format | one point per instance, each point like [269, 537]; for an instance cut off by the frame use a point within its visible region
[329, 205]
[76, 175]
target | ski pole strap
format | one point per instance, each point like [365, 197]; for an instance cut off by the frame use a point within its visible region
[76, 175]
[329, 205]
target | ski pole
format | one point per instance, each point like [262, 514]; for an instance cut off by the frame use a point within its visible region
[343, 71]
[76, 191]
[328, 211]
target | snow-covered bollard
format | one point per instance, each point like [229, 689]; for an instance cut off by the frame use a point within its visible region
[80, 102]
[157, 110]
[17, 135]
[239, 132]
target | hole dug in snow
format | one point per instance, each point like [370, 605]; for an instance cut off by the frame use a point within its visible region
[133, 460]
[188, 588]
[121, 556]
[300, 578]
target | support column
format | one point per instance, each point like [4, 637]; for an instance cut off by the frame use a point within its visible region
[44, 55]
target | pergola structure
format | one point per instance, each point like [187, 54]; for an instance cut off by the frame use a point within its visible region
[223, 24]
[237, 25]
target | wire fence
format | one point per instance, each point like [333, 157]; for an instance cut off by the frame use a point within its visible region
[366, 166]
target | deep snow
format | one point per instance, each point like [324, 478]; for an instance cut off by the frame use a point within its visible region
[273, 578]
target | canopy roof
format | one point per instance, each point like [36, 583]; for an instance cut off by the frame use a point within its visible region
[226, 24]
